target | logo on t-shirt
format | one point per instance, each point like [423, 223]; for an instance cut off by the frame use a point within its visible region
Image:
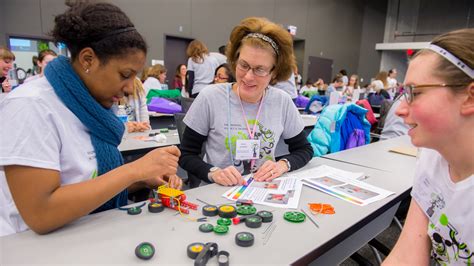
[450, 248]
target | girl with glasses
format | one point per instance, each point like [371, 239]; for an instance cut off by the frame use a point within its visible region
[439, 109]
[240, 123]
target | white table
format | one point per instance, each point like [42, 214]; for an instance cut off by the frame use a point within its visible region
[377, 155]
[131, 145]
[309, 120]
[110, 237]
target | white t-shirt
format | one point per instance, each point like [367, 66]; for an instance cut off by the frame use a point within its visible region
[308, 88]
[151, 83]
[392, 83]
[204, 71]
[448, 206]
[209, 115]
[40, 131]
[377, 85]
[31, 78]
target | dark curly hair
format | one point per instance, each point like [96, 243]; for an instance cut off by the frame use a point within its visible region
[92, 25]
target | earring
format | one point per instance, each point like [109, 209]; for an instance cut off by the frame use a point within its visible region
[87, 71]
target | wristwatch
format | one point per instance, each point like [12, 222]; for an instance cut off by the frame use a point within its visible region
[287, 163]
[212, 170]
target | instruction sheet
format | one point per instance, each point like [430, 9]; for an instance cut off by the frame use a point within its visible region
[282, 192]
[343, 184]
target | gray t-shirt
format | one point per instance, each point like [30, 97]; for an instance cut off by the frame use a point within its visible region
[204, 71]
[209, 114]
[288, 86]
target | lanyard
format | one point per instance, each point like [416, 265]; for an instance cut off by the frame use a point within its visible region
[251, 133]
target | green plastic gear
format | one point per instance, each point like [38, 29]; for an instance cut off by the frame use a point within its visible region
[246, 210]
[221, 229]
[224, 221]
[294, 217]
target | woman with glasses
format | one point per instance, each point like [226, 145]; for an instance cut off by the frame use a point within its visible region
[438, 107]
[223, 74]
[240, 123]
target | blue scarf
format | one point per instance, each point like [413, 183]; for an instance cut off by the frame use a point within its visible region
[105, 128]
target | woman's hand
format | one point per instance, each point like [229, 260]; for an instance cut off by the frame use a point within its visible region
[133, 126]
[228, 176]
[173, 181]
[270, 170]
[7, 87]
[160, 162]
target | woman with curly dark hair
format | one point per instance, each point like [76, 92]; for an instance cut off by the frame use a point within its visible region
[61, 160]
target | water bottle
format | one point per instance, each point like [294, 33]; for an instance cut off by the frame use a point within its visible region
[122, 114]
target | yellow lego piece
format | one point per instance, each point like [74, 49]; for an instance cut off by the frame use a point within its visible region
[169, 192]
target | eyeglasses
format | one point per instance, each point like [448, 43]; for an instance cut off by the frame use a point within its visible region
[410, 91]
[257, 71]
[222, 77]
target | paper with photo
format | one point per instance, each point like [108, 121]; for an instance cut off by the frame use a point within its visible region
[282, 192]
[342, 184]
[348, 189]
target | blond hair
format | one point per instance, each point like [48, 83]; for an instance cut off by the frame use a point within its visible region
[284, 57]
[6, 54]
[138, 90]
[156, 70]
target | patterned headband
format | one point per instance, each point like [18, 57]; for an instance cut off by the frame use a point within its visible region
[453, 59]
[264, 38]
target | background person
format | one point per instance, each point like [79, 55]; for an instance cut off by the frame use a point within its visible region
[6, 64]
[201, 66]
[224, 74]
[156, 78]
[179, 81]
[44, 57]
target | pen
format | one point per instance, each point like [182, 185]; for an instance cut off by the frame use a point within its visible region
[310, 218]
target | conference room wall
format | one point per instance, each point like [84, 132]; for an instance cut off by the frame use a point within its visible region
[330, 28]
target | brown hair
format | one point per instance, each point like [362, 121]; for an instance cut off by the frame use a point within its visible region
[357, 80]
[6, 54]
[156, 70]
[382, 76]
[44, 53]
[285, 59]
[459, 43]
[178, 71]
[196, 50]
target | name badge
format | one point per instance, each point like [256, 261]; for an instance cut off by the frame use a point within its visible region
[247, 149]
